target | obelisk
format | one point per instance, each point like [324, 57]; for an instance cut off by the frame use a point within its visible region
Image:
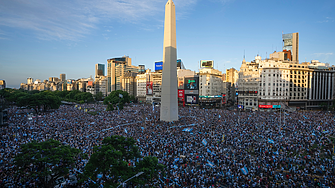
[169, 98]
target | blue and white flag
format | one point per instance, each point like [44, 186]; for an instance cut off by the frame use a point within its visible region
[175, 167]
[219, 116]
[187, 129]
[142, 128]
[125, 130]
[210, 164]
[209, 151]
[271, 141]
[204, 142]
[120, 95]
[244, 170]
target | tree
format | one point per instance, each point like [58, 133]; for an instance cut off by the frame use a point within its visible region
[114, 97]
[98, 96]
[36, 101]
[44, 162]
[113, 161]
[110, 107]
[30, 101]
[84, 96]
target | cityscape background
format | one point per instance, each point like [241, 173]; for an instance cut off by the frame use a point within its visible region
[42, 39]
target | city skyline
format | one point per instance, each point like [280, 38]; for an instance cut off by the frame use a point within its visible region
[44, 39]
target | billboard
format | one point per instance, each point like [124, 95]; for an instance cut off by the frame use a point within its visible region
[191, 99]
[149, 88]
[265, 106]
[158, 65]
[90, 83]
[191, 83]
[181, 83]
[206, 64]
[181, 95]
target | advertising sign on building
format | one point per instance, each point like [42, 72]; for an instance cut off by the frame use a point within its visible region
[181, 95]
[265, 106]
[191, 83]
[149, 88]
[158, 65]
[206, 64]
[90, 83]
[180, 83]
[191, 99]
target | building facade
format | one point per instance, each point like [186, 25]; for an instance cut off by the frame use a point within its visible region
[116, 68]
[99, 70]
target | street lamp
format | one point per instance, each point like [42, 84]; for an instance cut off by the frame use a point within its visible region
[136, 175]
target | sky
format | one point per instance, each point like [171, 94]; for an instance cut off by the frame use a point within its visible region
[45, 38]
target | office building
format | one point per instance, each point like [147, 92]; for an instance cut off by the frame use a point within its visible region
[291, 46]
[141, 82]
[99, 70]
[101, 85]
[231, 75]
[248, 84]
[210, 82]
[116, 68]
[62, 77]
[128, 83]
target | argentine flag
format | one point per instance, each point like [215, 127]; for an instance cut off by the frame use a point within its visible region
[244, 170]
[204, 142]
[271, 141]
[210, 164]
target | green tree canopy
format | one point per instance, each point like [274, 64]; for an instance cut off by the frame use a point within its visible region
[114, 97]
[44, 162]
[98, 96]
[113, 161]
[46, 100]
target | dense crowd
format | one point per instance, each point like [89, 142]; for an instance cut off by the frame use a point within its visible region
[205, 148]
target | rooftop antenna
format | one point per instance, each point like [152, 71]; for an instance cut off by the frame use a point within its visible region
[244, 54]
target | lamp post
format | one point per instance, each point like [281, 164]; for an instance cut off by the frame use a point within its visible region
[136, 175]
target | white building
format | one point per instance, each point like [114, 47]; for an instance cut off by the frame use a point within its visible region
[210, 82]
[141, 82]
[101, 85]
[248, 84]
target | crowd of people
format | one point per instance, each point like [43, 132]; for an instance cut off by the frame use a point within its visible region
[205, 148]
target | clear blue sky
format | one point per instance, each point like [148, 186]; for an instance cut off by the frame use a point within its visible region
[44, 38]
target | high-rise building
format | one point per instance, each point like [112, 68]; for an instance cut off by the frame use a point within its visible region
[62, 77]
[99, 70]
[2, 84]
[291, 44]
[231, 75]
[30, 81]
[116, 68]
[169, 99]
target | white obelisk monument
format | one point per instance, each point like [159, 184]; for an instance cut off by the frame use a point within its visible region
[169, 98]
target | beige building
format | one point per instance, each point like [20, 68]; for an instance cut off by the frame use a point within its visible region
[291, 44]
[128, 83]
[62, 77]
[116, 68]
[248, 84]
[232, 76]
[210, 82]
[141, 82]
[101, 85]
